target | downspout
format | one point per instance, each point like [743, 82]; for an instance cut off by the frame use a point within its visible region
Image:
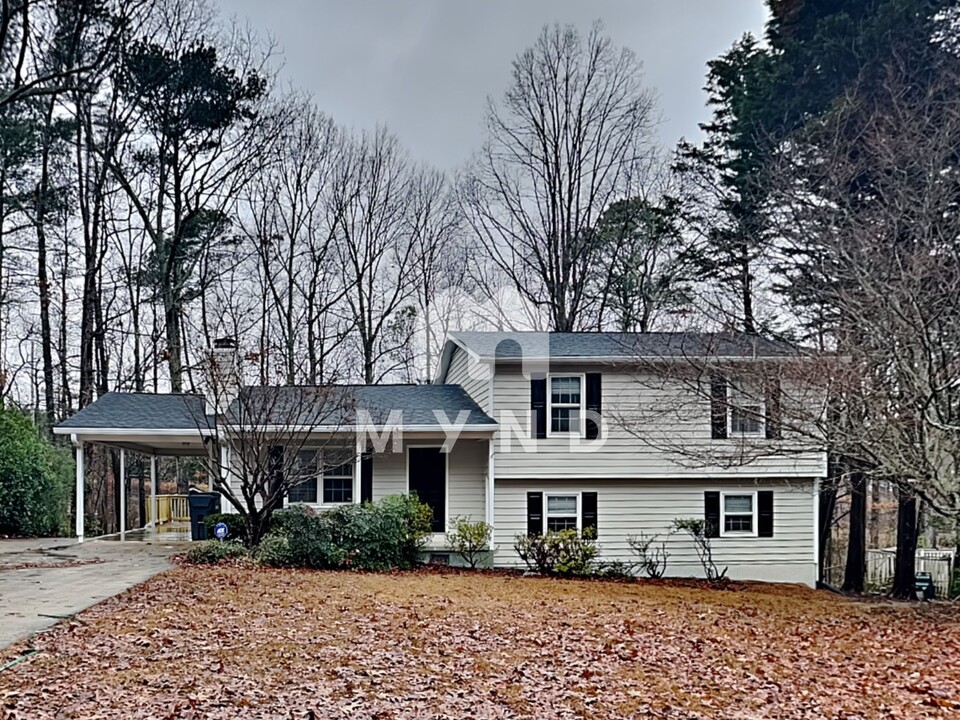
[491, 467]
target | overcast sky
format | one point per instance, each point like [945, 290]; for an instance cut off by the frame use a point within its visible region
[425, 67]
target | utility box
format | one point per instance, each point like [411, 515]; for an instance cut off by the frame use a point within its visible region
[923, 586]
[201, 505]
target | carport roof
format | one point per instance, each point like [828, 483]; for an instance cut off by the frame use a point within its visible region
[143, 411]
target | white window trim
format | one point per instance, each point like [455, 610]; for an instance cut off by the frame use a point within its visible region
[559, 493]
[319, 480]
[732, 401]
[582, 407]
[723, 513]
[323, 476]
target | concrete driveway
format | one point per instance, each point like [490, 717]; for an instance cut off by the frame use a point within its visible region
[44, 581]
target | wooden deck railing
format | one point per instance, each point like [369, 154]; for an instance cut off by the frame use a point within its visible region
[170, 508]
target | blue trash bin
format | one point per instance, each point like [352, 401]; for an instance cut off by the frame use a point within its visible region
[201, 505]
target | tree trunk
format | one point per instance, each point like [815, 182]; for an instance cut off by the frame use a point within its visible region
[43, 277]
[874, 524]
[905, 567]
[856, 566]
[746, 290]
[172, 329]
[827, 504]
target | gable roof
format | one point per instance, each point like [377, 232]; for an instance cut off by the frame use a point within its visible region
[336, 406]
[611, 345]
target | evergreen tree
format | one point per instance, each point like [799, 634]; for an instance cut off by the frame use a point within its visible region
[727, 170]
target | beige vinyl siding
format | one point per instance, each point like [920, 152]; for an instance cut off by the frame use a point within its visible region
[466, 469]
[472, 376]
[653, 428]
[626, 508]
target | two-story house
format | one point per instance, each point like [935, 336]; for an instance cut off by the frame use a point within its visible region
[533, 432]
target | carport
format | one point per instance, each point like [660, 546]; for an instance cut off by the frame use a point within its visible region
[153, 425]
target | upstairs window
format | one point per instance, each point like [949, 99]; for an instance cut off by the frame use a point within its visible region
[745, 413]
[565, 404]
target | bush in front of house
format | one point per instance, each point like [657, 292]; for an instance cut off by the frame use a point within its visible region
[696, 530]
[470, 540]
[566, 553]
[236, 528]
[211, 552]
[35, 479]
[384, 535]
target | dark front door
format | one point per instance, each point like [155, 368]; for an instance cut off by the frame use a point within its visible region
[428, 479]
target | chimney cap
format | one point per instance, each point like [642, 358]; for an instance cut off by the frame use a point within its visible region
[225, 343]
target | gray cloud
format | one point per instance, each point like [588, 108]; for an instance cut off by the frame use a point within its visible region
[425, 67]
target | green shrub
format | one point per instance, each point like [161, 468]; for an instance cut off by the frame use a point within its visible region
[468, 539]
[374, 536]
[274, 551]
[615, 570]
[558, 553]
[211, 552]
[236, 527]
[36, 479]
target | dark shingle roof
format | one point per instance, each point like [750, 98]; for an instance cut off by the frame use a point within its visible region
[507, 345]
[146, 411]
[312, 406]
[341, 404]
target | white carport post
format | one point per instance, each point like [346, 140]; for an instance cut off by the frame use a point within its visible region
[123, 493]
[79, 510]
[153, 491]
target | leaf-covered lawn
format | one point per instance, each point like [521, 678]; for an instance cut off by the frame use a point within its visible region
[233, 642]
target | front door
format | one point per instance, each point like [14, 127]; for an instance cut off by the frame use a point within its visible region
[427, 471]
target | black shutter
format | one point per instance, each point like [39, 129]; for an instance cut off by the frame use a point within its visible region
[593, 404]
[772, 402]
[366, 478]
[538, 405]
[765, 513]
[275, 467]
[711, 513]
[718, 407]
[588, 513]
[534, 513]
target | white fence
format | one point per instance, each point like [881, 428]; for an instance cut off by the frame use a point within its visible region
[939, 563]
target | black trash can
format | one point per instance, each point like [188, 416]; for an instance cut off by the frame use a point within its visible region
[201, 505]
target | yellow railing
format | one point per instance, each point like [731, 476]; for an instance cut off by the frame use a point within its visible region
[170, 508]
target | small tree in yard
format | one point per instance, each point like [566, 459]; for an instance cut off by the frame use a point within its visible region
[696, 528]
[653, 557]
[266, 441]
[470, 540]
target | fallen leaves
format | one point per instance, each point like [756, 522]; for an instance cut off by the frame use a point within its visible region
[235, 642]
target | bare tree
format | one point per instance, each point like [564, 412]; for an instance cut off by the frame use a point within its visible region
[370, 207]
[568, 138]
[439, 256]
[267, 441]
[868, 201]
[285, 218]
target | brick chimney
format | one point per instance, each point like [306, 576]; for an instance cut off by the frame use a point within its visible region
[223, 376]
